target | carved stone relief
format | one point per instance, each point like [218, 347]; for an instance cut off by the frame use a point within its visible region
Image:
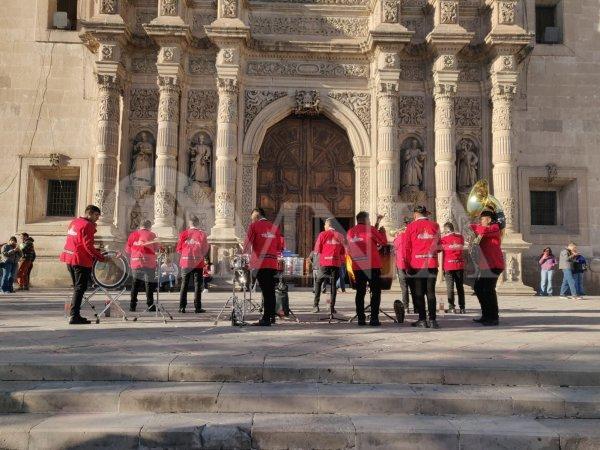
[145, 63]
[443, 209]
[506, 12]
[365, 188]
[229, 8]
[108, 6]
[350, 27]
[200, 162]
[202, 105]
[169, 8]
[411, 110]
[469, 71]
[255, 101]
[467, 111]
[308, 103]
[359, 103]
[164, 204]
[390, 11]
[467, 165]
[247, 197]
[324, 2]
[296, 68]
[412, 161]
[144, 104]
[105, 200]
[143, 153]
[412, 70]
[202, 65]
[448, 12]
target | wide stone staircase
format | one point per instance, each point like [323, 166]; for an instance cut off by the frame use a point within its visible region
[245, 406]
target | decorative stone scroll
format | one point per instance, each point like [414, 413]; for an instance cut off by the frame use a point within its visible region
[143, 104]
[467, 111]
[411, 110]
[308, 103]
[202, 65]
[449, 12]
[306, 68]
[164, 204]
[359, 103]
[365, 188]
[469, 71]
[412, 70]
[202, 105]
[350, 27]
[229, 8]
[145, 63]
[506, 12]
[168, 8]
[255, 101]
[105, 200]
[390, 11]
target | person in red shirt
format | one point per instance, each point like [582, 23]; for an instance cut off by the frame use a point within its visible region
[364, 241]
[265, 243]
[491, 265]
[79, 255]
[330, 248]
[453, 245]
[192, 247]
[421, 247]
[400, 265]
[141, 249]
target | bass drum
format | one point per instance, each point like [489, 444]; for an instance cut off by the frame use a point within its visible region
[111, 273]
[386, 254]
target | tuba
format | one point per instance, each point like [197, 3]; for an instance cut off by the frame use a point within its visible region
[480, 200]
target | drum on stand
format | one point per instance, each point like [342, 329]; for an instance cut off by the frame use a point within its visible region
[386, 253]
[111, 273]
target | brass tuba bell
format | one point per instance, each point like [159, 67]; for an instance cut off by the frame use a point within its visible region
[480, 200]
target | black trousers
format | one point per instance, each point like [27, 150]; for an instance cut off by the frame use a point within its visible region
[143, 277]
[403, 280]
[326, 275]
[81, 278]
[266, 281]
[457, 277]
[372, 277]
[423, 282]
[485, 290]
[186, 274]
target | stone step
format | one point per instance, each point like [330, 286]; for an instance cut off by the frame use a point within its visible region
[292, 431]
[300, 397]
[190, 369]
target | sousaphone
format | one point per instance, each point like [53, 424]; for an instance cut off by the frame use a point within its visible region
[480, 200]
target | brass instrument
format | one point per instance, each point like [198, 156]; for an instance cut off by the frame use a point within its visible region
[480, 200]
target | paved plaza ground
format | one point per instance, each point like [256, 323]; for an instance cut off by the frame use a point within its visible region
[531, 383]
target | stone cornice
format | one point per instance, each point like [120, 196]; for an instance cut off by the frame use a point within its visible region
[171, 33]
[227, 30]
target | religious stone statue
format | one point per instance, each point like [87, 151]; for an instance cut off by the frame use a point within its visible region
[413, 162]
[467, 162]
[142, 161]
[200, 160]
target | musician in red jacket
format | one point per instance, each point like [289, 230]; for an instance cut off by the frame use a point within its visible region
[265, 243]
[79, 255]
[192, 247]
[141, 248]
[330, 248]
[364, 241]
[421, 247]
[453, 246]
[491, 265]
[400, 265]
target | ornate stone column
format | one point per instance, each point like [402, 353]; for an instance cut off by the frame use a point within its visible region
[165, 174]
[445, 78]
[106, 151]
[225, 166]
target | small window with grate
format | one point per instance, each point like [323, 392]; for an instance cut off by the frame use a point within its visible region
[62, 198]
[544, 207]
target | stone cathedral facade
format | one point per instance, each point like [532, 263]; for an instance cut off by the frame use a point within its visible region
[308, 108]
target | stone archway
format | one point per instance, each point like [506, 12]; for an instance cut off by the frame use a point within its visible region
[305, 174]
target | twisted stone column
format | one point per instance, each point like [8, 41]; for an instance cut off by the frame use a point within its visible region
[225, 166]
[166, 156]
[388, 172]
[106, 150]
[445, 155]
[503, 158]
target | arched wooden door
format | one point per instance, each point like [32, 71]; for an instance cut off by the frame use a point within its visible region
[306, 174]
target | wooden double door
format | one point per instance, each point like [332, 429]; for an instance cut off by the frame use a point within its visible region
[306, 174]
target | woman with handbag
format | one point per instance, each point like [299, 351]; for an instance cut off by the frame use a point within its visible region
[547, 263]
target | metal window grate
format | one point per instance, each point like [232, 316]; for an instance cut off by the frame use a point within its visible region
[544, 207]
[62, 198]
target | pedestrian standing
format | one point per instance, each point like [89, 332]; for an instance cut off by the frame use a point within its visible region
[141, 247]
[579, 269]
[330, 248]
[192, 247]
[547, 263]
[565, 263]
[453, 246]
[26, 262]
[10, 256]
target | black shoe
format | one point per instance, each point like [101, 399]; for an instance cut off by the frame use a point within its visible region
[420, 324]
[152, 308]
[491, 323]
[78, 320]
[182, 310]
[262, 323]
[361, 322]
[132, 308]
[316, 309]
[462, 311]
[273, 320]
[199, 310]
[480, 320]
[333, 311]
[451, 309]
[434, 324]
[374, 323]
[406, 306]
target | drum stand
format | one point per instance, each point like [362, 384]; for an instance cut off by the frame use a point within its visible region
[156, 304]
[238, 308]
[332, 317]
[291, 313]
[112, 300]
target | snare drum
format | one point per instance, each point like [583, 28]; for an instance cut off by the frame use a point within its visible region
[240, 262]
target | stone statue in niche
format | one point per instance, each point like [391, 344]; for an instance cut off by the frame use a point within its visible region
[200, 160]
[142, 161]
[467, 162]
[413, 164]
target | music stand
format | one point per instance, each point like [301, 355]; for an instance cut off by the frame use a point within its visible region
[159, 308]
[108, 275]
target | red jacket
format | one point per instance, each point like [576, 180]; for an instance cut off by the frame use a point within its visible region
[141, 254]
[192, 247]
[363, 243]
[491, 254]
[330, 247]
[422, 244]
[265, 243]
[79, 248]
[453, 245]
[399, 251]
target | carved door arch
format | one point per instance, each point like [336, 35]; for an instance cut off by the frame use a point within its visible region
[306, 174]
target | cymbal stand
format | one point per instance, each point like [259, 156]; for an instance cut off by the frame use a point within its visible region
[238, 306]
[113, 299]
[332, 317]
[157, 307]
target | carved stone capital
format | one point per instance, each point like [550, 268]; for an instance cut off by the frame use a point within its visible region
[227, 86]
[168, 84]
[504, 92]
[444, 90]
[387, 88]
[106, 81]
